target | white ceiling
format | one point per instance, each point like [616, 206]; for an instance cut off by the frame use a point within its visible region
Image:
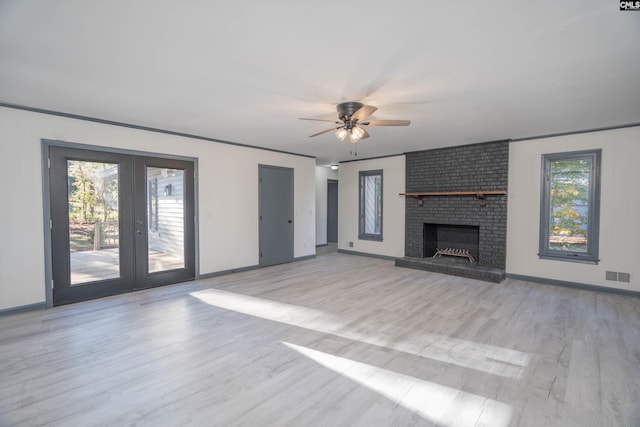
[245, 71]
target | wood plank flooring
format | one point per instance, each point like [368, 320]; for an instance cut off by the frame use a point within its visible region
[339, 340]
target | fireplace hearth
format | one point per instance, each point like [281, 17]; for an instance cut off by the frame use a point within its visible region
[453, 266]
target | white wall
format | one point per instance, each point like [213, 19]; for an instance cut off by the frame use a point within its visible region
[619, 209]
[323, 174]
[393, 177]
[228, 196]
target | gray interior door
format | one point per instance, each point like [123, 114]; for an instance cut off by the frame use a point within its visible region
[332, 211]
[276, 215]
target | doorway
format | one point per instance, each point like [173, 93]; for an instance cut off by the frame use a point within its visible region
[119, 222]
[332, 211]
[275, 215]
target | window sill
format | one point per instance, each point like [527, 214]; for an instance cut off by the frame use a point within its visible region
[370, 237]
[570, 258]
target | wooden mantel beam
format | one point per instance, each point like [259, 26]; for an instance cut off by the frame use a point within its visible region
[480, 194]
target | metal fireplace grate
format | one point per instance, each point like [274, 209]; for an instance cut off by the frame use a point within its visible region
[455, 252]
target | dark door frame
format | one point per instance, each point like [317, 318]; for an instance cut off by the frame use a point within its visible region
[332, 182]
[47, 197]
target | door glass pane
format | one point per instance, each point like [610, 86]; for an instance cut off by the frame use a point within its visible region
[165, 218]
[93, 221]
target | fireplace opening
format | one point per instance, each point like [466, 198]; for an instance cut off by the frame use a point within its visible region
[460, 238]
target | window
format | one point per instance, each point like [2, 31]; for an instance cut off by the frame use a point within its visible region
[370, 211]
[570, 207]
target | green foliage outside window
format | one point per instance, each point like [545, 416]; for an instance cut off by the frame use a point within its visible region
[569, 202]
[93, 191]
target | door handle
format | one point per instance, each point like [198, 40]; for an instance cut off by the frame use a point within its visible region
[290, 221]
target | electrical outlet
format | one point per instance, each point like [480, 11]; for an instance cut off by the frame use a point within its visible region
[350, 244]
[624, 277]
[612, 275]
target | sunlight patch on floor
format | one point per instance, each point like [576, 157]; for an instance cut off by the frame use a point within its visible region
[433, 402]
[468, 354]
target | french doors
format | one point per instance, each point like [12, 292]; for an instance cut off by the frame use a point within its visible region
[119, 222]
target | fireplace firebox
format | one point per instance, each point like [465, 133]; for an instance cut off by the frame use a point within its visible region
[449, 236]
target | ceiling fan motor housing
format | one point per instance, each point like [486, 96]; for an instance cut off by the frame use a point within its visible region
[348, 109]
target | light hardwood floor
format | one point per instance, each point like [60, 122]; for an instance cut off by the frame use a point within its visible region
[339, 340]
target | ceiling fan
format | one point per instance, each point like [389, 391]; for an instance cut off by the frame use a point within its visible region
[353, 115]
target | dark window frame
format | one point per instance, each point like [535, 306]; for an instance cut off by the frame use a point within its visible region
[361, 214]
[593, 230]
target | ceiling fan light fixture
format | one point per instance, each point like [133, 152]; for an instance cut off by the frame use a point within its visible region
[341, 134]
[356, 134]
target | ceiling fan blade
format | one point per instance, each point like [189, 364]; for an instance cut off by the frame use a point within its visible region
[324, 131]
[320, 120]
[386, 123]
[364, 112]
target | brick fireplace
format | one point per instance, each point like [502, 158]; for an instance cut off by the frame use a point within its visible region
[477, 224]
